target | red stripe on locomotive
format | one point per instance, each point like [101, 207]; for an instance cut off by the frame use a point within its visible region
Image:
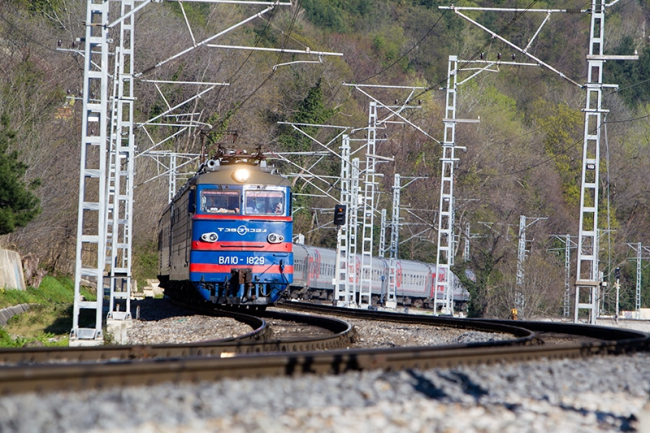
[242, 217]
[208, 268]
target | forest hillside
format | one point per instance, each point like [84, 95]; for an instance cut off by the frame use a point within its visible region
[522, 158]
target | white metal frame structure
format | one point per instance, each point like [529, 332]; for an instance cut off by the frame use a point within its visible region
[91, 239]
[391, 292]
[382, 234]
[587, 276]
[520, 299]
[343, 289]
[104, 230]
[365, 287]
[446, 213]
[121, 172]
[445, 248]
[639, 250]
[566, 299]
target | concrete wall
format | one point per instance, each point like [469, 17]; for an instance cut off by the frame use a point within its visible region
[9, 312]
[11, 270]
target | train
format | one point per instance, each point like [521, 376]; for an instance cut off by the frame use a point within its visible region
[226, 238]
[314, 271]
[226, 235]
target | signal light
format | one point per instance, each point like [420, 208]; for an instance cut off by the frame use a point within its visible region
[339, 214]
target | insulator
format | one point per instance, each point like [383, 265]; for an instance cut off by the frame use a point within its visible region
[499, 56]
[482, 56]
[513, 56]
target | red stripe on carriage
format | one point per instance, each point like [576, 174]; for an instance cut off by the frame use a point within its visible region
[241, 217]
[208, 268]
[284, 247]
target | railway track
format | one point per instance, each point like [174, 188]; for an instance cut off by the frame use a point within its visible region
[333, 333]
[129, 366]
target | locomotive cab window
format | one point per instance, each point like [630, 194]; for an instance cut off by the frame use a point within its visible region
[216, 201]
[264, 202]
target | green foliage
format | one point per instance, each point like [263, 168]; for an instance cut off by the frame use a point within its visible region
[42, 7]
[145, 263]
[18, 205]
[51, 290]
[486, 273]
[387, 46]
[562, 127]
[340, 16]
[219, 125]
[632, 76]
[50, 317]
[310, 110]
[196, 13]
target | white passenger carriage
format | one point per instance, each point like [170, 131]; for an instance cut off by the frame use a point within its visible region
[314, 270]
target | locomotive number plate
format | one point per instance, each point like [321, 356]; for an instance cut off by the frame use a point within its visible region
[234, 260]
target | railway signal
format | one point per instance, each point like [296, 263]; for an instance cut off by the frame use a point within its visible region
[339, 214]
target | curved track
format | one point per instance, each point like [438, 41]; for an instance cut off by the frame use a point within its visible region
[260, 339]
[194, 363]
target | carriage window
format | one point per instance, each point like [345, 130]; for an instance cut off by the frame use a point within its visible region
[264, 202]
[215, 201]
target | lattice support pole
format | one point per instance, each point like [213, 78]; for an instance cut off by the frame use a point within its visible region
[365, 289]
[91, 248]
[520, 298]
[391, 299]
[121, 172]
[171, 186]
[567, 277]
[353, 224]
[382, 234]
[638, 249]
[587, 275]
[442, 286]
[343, 290]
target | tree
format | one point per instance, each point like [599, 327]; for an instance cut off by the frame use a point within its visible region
[18, 205]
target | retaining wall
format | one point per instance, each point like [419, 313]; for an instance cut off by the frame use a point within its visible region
[9, 312]
[11, 270]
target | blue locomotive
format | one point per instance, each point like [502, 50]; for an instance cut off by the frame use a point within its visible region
[227, 233]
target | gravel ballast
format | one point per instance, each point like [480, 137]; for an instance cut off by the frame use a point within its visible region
[594, 394]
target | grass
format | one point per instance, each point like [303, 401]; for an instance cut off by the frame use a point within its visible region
[49, 320]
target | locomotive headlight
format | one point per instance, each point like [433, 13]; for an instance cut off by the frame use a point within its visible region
[241, 175]
[209, 237]
[275, 238]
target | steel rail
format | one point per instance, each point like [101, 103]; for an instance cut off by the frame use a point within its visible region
[589, 331]
[40, 378]
[257, 341]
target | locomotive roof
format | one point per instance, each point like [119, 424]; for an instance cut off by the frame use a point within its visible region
[223, 176]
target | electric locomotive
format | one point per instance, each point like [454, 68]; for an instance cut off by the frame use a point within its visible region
[227, 233]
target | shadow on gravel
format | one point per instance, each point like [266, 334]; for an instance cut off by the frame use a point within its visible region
[152, 309]
[606, 419]
[426, 387]
[465, 383]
